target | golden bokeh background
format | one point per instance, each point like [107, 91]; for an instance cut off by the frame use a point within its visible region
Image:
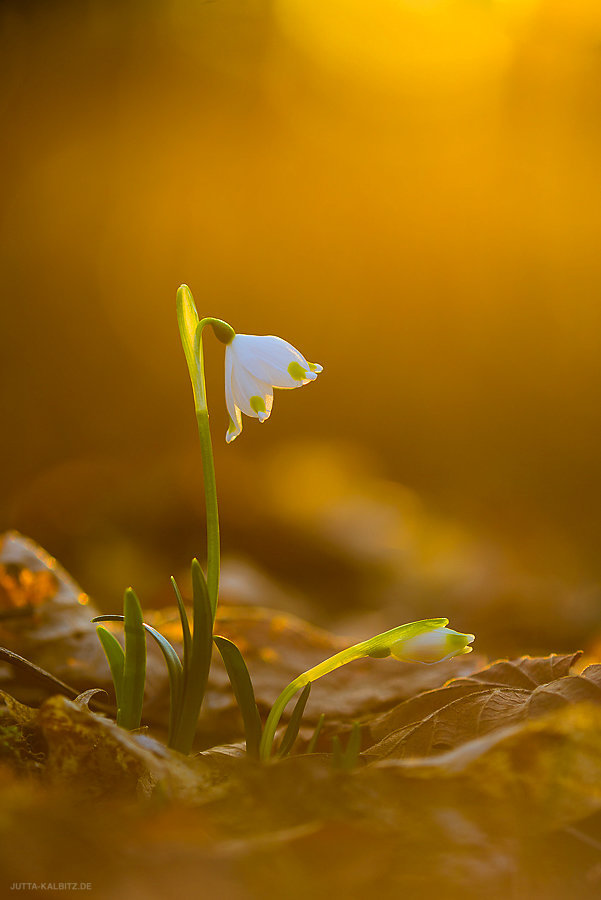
[407, 190]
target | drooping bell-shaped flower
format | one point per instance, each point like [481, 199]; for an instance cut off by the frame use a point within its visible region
[254, 366]
[432, 646]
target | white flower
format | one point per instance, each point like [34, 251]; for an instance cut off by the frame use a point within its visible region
[433, 646]
[254, 366]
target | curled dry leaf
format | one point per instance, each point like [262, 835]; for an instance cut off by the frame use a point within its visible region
[84, 698]
[503, 693]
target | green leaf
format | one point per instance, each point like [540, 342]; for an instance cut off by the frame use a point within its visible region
[243, 691]
[313, 742]
[347, 759]
[187, 637]
[337, 753]
[353, 748]
[174, 668]
[176, 680]
[294, 723]
[115, 657]
[200, 662]
[134, 670]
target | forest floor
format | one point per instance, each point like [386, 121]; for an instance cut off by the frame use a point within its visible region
[475, 778]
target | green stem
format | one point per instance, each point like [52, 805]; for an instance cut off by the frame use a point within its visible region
[328, 665]
[191, 329]
[225, 334]
[212, 511]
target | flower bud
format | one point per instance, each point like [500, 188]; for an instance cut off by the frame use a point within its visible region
[432, 646]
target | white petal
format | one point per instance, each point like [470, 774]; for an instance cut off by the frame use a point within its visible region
[234, 429]
[245, 387]
[235, 415]
[268, 358]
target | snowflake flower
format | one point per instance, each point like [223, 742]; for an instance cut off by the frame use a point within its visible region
[254, 366]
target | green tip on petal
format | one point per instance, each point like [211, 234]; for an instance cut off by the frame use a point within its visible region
[257, 404]
[315, 367]
[232, 432]
[456, 643]
[296, 371]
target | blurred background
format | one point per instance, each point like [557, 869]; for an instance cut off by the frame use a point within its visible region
[407, 190]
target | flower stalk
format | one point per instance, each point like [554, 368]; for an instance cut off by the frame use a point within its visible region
[443, 644]
[191, 329]
[211, 507]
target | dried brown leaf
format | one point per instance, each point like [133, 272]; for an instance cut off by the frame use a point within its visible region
[534, 776]
[502, 694]
[21, 590]
[56, 634]
[93, 756]
[19, 713]
[527, 671]
[84, 698]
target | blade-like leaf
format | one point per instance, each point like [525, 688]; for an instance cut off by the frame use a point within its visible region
[294, 723]
[176, 681]
[353, 748]
[200, 663]
[337, 753]
[174, 668]
[134, 670]
[186, 635]
[313, 742]
[116, 660]
[243, 691]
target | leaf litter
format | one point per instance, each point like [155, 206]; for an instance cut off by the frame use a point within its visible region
[476, 780]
